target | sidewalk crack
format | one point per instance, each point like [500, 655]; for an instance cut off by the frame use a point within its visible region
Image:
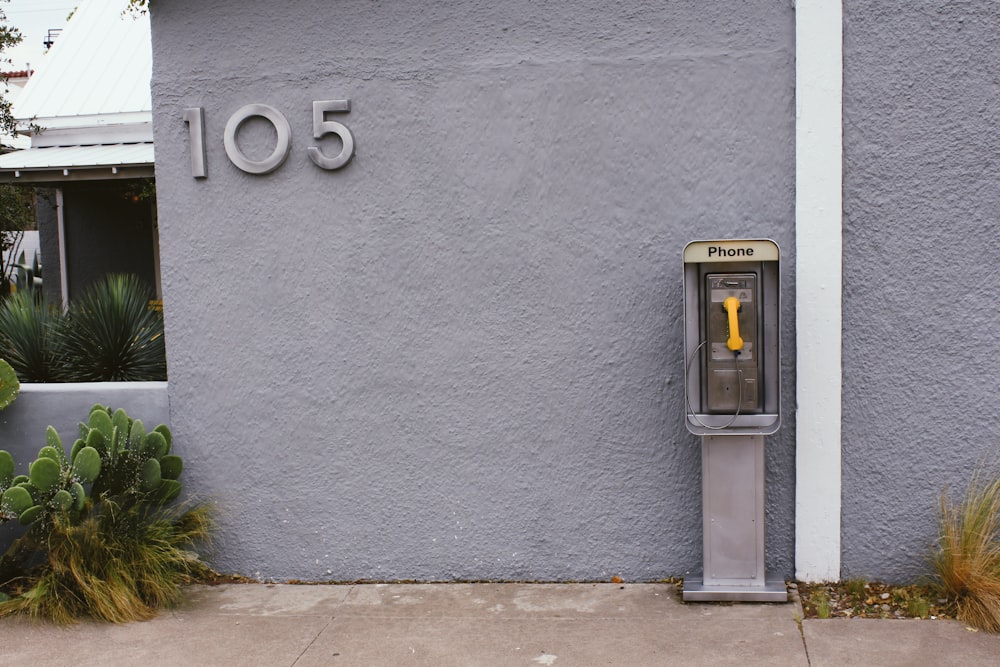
[309, 645]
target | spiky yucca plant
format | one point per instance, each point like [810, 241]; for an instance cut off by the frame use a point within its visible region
[112, 334]
[118, 565]
[967, 556]
[26, 327]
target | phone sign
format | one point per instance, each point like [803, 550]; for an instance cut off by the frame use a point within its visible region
[752, 250]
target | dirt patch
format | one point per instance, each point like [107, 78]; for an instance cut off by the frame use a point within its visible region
[862, 599]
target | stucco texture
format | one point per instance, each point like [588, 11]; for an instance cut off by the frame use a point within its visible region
[460, 356]
[921, 251]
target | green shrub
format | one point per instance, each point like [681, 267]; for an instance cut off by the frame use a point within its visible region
[101, 540]
[967, 556]
[27, 326]
[111, 334]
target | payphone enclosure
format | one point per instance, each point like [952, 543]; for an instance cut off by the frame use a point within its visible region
[732, 400]
[729, 390]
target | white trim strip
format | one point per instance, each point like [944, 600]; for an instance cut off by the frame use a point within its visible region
[818, 286]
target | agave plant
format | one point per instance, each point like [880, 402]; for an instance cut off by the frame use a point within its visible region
[111, 334]
[26, 327]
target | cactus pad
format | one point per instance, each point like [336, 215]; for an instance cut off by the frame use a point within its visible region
[171, 466]
[79, 495]
[97, 440]
[164, 430]
[150, 475]
[87, 464]
[77, 446]
[101, 421]
[52, 439]
[6, 468]
[137, 432]
[29, 515]
[49, 453]
[156, 445]
[62, 500]
[9, 386]
[44, 473]
[17, 499]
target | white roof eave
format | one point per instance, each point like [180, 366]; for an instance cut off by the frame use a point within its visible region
[77, 162]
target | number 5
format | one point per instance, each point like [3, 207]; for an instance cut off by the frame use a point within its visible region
[323, 127]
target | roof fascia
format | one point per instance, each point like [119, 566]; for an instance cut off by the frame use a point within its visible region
[55, 176]
[117, 132]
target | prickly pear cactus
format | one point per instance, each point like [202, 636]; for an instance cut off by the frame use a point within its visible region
[9, 386]
[53, 486]
[114, 458]
[134, 463]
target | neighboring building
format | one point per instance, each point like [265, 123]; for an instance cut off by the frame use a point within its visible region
[16, 81]
[87, 112]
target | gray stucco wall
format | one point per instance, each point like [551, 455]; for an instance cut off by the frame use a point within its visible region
[921, 253]
[460, 357]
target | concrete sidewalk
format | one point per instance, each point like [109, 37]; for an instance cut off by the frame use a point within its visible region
[486, 624]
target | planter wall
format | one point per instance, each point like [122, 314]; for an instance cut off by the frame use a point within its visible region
[23, 423]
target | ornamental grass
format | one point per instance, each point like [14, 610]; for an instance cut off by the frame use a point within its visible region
[967, 557]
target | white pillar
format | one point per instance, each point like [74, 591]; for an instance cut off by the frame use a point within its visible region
[818, 286]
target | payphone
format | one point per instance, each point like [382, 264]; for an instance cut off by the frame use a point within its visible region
[731, 337]
[732, 400]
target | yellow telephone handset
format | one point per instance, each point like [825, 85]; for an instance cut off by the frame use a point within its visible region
[732, 306]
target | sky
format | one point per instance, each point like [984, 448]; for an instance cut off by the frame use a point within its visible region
[33, 18]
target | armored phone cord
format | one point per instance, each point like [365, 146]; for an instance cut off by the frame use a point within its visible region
[739, 380]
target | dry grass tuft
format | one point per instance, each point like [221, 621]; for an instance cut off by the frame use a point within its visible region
[967, 558]
[116, 565]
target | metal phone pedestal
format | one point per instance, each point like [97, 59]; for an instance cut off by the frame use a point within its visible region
[732, 473]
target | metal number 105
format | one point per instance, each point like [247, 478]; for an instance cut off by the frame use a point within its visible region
[195, 119]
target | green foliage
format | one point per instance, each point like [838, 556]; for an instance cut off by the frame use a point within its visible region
[17, 214]
[111, 334]
[9, 36]
[6, 469]
[27, 276]
[116, 565]
[967, 555]
[918, 607]
[9, 385]
[27, 326]
[98, 524]
[821, 601]
[856, 589]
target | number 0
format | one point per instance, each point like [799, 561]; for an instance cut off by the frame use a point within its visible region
[281, 148]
